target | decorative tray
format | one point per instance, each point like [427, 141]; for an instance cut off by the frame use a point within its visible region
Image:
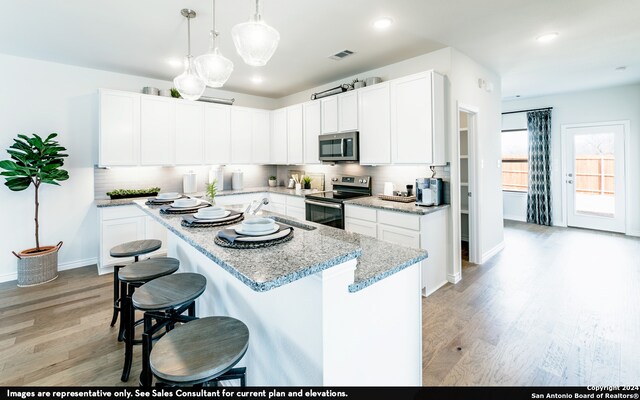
[400, 199]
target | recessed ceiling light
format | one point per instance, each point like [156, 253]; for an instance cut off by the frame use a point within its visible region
[382, 23]
[256, 79]
[174, 62]
[547, 37]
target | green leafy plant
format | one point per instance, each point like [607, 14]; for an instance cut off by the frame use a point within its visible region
[175, 93]
[212, 189]
[34, 161]
[306, 180]
[273, 178]
[133, 192]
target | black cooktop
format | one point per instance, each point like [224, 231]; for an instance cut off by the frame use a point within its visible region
[336, 196]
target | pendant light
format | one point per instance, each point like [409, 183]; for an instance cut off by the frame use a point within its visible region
[213, 67]
[255, 40]
[189, 84]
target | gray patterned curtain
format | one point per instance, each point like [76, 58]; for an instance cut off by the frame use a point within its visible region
[539, 196]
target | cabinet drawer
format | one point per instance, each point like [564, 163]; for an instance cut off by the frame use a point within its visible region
[359, 226]
[296, 212]
[277, 208]
[367, 214]
[277, 198]
[400, 236]
[398, 219]
[108, 213]
[295, 201]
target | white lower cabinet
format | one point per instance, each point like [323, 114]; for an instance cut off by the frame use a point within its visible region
[291, 206]
[125, 224]
[428, 232]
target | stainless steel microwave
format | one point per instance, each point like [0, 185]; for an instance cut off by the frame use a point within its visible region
[338, 147]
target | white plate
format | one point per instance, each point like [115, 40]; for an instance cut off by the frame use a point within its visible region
[226, 214]
[168, 196]
[195, 203]
[239, 231]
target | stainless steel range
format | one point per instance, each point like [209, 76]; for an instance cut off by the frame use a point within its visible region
[327, 208]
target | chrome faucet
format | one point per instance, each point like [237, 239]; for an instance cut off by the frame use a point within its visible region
[253, 210]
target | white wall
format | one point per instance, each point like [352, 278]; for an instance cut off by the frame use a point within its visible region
[44, 97]
[610, 104]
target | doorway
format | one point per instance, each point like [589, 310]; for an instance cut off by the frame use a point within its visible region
[594, 175]
[467, 185]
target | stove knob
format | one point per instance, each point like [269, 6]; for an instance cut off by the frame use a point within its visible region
[364, 181]
[334, 179]
[360, 181]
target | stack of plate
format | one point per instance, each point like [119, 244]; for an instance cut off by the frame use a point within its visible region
[164, 198]
[185, 203]
[257, 227]
[211, 213]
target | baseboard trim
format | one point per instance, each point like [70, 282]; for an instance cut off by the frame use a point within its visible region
[633, 233]
[433, 290]
[455, 278]
[514, 218]
[487, 255]
[61, 267]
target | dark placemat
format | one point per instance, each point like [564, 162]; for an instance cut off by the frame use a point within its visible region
[152, 201]
[187, 210]
[252, 245]
[190, 222]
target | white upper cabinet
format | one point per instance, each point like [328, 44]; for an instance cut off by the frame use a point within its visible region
[279, 141]
[157, 130]
[240, 136]
[217, 134]
[311, 117]
[417, 119]
[119, 141]
[348, 111]
[260, 137]
[329, 107]
[374, 124]
[189, 133]
[295, 144]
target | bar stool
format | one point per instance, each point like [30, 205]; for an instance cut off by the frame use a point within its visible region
[202, 351]
[163, 300]
[133, 249]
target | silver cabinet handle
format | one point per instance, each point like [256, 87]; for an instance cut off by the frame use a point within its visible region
[569, 181]
[329, 205]
[569, 175]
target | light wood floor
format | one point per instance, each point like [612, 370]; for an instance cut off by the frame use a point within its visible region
[556, 307]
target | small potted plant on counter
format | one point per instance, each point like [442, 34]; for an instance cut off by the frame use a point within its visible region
[130, 193]
[212, 189]
[273, 181]
[306, 182]
[35, 161]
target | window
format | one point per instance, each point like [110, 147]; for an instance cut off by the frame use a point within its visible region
[515, 166]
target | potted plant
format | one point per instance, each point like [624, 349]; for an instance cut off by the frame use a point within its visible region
[306, 182]
[212, 189]
[129, 193]
[35, 161]
[273, 181]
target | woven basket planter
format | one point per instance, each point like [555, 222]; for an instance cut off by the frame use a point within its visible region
[38, 268]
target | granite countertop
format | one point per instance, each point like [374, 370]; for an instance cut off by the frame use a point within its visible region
[259, 189]
[376, 202]
[309, 252]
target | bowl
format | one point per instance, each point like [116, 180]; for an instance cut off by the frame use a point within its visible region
[167, 195]
[185, 203]
[211, 212]
[150, 90]
[165, 92]
[372, 80]
[258, 224]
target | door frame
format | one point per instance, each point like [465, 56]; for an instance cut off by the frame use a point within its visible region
[474, 185]
[564, 129]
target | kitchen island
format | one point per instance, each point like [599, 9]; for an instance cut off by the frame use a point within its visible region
[327, 308]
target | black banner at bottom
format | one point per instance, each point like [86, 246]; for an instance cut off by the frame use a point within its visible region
[318, 393]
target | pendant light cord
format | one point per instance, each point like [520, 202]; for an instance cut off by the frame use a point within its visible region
[188, 37]
[257, 16]
[214, 17]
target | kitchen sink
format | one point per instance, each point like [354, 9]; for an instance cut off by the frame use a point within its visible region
[293, 223]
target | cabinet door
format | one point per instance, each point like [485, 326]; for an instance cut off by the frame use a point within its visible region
[279, 136]
[296, 212]
[348, 111]
[157, 131]
[118, 231]
[119, 128]
[329, 107]
[189, 133]
[260, 139]
[412, 120]
[240, 136]
[439, 116]
[311, 116]
[374, 122]
[359, 226]
[403, 237]
[217, 136]
[295, 148]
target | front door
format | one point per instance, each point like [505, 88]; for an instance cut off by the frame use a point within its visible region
[594, 175]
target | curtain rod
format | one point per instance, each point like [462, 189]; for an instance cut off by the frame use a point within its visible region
[533, 109]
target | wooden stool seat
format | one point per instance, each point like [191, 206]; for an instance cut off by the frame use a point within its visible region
[199, 351]
[147, 270]
[169, 291]
[135, 248]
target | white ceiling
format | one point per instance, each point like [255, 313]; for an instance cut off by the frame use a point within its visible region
[138, 37]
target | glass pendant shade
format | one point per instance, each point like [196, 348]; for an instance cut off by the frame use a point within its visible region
[255, 40]
[189, 84]
[213, 67]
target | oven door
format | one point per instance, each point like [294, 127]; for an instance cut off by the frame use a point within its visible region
[325, 213]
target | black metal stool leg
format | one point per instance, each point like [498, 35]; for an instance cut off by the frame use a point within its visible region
[123, 293]
[116, 294]
[127, 317]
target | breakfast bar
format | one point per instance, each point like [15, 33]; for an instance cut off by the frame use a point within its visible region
[327, 307]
